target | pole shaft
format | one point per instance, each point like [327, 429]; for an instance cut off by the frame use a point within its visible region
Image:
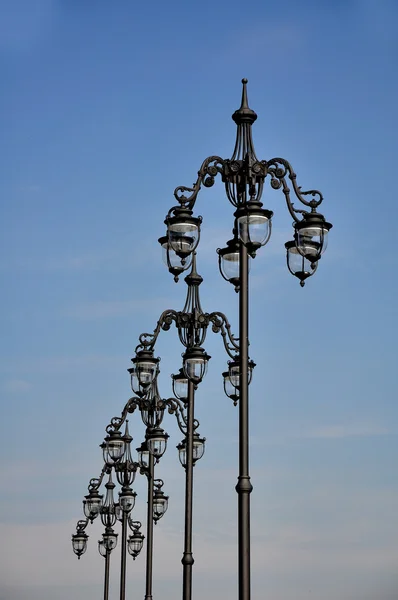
[187, 558]
[244, 486]
[123, 557]
[106, 579]
[149, 530]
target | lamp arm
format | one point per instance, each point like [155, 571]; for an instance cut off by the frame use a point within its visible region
[81, 525]
[148, 340]
[176, 407]
[134, 525]
[210, 168]
[129, 407]
[278, 169]
[220, 324]
[95, 482]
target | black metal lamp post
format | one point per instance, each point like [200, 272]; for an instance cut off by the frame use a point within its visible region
[125, 472]
[244, 176]
[117, 455]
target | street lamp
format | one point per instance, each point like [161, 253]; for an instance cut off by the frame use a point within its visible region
[198, 444]
[109, 511]
[79, 539]
[136, 539]
[244, 176]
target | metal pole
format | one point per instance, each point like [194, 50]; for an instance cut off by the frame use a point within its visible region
[106, 580]
[149, 529]
[244, 486]
[187, 558]
[123, 557]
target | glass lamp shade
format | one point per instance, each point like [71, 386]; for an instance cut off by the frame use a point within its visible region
[195, 364]
[118, 512]
[113, 447]
[180, 385]
[183, 231]
[198, 449]
[298, 265]
[228, 262]
[156, 440]
[127, 499]
[254, 225]
[109, 539]
[135, 543]
[79, 543]
[311, 236]
[231, 378]
[143, 455]
[230, 390]
[174, 262]
[101, 548]
[144, 371]
[92, 505]
[160, 504]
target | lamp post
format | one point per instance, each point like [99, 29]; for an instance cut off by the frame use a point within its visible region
[244, 176]
[117, 457]
[192, 324]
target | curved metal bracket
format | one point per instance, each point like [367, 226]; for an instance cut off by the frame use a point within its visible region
[278, 169]
[129, 407]
[147, 340]
[95, 482]
[210, 168]
[220, 324]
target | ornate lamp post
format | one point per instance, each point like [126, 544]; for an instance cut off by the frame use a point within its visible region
[117, 457]
[192, 324]
[243, 176]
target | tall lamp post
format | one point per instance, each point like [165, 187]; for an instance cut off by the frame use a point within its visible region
[244, 176]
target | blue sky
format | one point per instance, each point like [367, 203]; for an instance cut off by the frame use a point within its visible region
[106, 109]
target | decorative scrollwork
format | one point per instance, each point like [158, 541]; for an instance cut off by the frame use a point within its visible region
[95, 482]
[211, 167]
[220, 324]
[81, 525]
[116, 422]
[147, 341]
[176, 407]
[278, 169]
